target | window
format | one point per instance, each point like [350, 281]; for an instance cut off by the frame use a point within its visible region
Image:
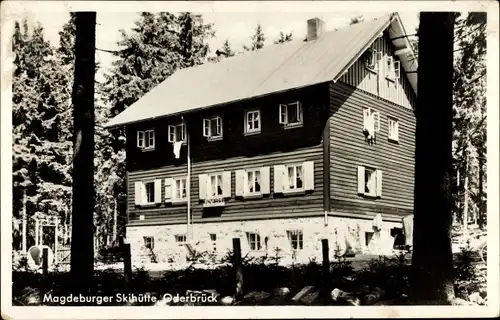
[369, 182]
[147, 192]
[213, 240]
[146, 139]
[212, 128]
[372, 58]
[371, 121]
[295, 177]
[150, 192]
[179, 189]
[180, 239]
[296, 239]
[149, 242]
[393, 129]
[177, 133]
[252, 121]
[215, 186]
[254, 241]
[392, 68]
[291, 114]
[253, 181]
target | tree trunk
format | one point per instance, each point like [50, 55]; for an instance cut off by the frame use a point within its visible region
[432, 270]
[82, 244]
[481, 212]
[25, 219]
[466, 196]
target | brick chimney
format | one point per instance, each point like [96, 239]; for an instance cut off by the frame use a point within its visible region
[315, 28]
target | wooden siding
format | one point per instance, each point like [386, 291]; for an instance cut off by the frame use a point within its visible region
[399, 91]
[272, 206]
[273, 137]
[274, 145]
[348, 150]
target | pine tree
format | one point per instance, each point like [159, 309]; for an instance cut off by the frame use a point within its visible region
[258, 39]
[42, 140]
[193, 33]
[284, 38]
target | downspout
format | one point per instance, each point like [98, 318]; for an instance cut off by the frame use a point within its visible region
[189, 234]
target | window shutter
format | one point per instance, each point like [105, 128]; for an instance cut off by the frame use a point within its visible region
[265, 185]
[373, 59]
[240, 183]
[379, 183]
[244, 241]
[397, 70]
[308, 167]
[171, 133]
[169, 183]
[144, 196]
[279, 171]
[206, 127]
[376, 121]
[137, 190]
[157, 190]
[140, 139]
[361, 180]
[396, 129]
[203, 180]
[283, 113]
[389, 68]
[226, 184]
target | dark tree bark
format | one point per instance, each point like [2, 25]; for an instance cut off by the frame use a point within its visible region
[82, 244]
[432, 269]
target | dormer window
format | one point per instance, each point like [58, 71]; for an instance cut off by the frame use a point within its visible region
[291, 114]
[146, 140]
[212, 128]
[177, 133]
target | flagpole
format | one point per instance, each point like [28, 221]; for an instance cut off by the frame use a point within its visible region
[188, 185]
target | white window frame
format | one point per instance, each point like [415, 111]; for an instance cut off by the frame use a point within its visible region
[173, 132]
[247, 187]
[287, 187]
[297, 243]
[393, 128]
[151, 241]
[283, 114]
[392, 68]
[207, 128]
[182, 237]
[183, 182]
[249, 123]
[146, 191]
[254, 241]
[376, 182]
[146, 139]
[216, 176]
[371, 115]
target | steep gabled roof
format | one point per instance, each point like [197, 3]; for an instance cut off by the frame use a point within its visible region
[274, 68]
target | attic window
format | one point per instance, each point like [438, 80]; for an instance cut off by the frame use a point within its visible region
[291, 114]
[372, 58]
[392, 69]
[177, 133]
[146, 139]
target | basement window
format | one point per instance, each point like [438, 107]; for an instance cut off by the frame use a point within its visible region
[149, 242]
[296, 239]
[254, 241]
[180, 239]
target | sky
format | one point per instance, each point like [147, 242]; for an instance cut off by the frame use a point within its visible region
[232, 23]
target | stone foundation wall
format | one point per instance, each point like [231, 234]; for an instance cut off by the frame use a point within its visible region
[341, 232]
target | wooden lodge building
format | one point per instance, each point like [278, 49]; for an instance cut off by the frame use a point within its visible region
[280, 147]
